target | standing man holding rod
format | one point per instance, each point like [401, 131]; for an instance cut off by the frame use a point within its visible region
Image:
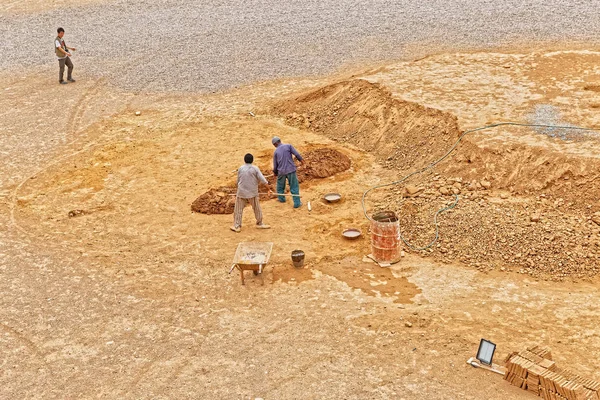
[284, 169]
[64, 57]
[249, 177]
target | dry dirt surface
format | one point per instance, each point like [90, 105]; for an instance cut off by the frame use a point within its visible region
[111, 287]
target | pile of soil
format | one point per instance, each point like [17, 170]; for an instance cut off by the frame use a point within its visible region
[405, 136]
[322, 163]
[216, 201]
[401, 134]
[528, 208]
[495, 230]
[318, 164]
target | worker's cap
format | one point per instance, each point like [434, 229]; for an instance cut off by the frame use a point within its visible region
[275, 140]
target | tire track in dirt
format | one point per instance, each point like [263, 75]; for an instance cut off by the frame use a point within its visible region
[74, 120]
[29, 343]
[74, 124]
[72, 129]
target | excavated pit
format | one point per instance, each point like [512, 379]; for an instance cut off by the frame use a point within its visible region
[319, 164]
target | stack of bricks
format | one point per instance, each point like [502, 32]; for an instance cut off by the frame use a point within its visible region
[533, 370]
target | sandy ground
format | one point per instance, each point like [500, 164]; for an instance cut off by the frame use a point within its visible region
[132, 299]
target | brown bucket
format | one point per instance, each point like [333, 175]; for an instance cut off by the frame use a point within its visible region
[385, 237]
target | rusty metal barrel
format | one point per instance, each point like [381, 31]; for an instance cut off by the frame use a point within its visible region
[385, 237]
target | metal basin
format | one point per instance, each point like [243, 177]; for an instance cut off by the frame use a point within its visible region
[332, 197]
[352, 233]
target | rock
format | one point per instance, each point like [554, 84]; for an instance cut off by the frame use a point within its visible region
[412, 190]
[76, 213]
[596, 218]
[444, 190]
[138, 113]
[504, 195]
[408, 324]
[534, 218]
[486, 184]
[455, 190]
[402, 254]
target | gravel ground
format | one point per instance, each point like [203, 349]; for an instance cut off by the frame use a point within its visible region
[198, 45]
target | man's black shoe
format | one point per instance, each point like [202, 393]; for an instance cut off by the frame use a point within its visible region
[63, 82]
[71, 80]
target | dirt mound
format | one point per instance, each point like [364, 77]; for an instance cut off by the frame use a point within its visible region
[318, 164]
[541, 236]
[406, 136]
[528, 201]
[216, 201]
[402, 134]
[322, 163]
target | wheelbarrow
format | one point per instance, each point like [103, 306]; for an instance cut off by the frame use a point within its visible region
[252, 256]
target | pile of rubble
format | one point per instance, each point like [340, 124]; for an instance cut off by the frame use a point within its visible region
[533, 370]
[543, 236]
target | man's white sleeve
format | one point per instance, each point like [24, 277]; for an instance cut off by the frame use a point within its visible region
[261, 177]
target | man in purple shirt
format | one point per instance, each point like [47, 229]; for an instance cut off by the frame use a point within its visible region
[284, 169]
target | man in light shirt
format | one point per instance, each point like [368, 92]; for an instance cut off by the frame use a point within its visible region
[64, 57]
[249, 177]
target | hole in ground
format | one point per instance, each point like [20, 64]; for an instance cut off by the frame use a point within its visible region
[318, 164]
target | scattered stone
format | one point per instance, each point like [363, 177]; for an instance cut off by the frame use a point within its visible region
[408, 324]
[138, 113]
[534, 218]
[76, 213]
[413, 190]
[486, 184]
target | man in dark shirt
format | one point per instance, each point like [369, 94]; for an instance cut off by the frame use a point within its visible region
[284, 169]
